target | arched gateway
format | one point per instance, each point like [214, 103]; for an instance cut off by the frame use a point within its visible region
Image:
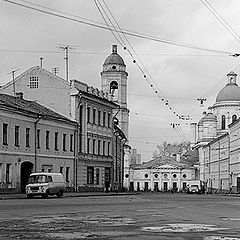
[26, 170]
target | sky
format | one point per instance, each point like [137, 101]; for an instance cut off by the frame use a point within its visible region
[181, 74]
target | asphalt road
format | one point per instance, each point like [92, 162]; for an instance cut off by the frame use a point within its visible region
[143, 217]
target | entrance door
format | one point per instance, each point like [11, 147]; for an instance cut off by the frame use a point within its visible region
[238, 184]
[174, 186]
[145, 186]
[26, 170]
[165, 186]
[156, 186]
[107, 179]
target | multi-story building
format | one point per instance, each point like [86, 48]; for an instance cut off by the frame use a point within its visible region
[33, 138]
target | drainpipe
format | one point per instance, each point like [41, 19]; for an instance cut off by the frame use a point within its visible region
[219, 157]
[35, 141]
[229, 173]
[209, 169]
[76, 141]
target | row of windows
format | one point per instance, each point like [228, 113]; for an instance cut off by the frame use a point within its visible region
[98, 117]
[91, 177]
[47, 138]
[223, 125]
[98, 147]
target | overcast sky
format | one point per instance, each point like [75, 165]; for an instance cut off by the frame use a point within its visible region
[182, 74]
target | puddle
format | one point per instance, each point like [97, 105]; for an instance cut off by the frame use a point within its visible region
[181, 227]
[220, 238]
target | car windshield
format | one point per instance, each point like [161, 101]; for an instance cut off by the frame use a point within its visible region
[38, 179]
[194, 186]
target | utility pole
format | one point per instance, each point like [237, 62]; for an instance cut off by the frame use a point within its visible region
[201, 100]
[13, 80]
[66, 48]
[41, 62]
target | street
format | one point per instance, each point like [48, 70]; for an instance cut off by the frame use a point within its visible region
[143, 216]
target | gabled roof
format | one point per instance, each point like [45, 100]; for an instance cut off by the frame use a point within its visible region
[161, 161]
[30, 107]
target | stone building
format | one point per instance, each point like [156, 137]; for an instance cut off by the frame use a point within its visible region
[33, 138]
[213, 136]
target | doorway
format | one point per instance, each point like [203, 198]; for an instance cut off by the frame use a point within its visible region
[26, 170]
[238, 184]
[165, 186]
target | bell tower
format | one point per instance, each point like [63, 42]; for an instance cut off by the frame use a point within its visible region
[114, 81]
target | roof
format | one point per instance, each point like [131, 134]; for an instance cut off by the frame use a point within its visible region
[163, 160]
[208, 117]
[31, 107]
[114, 58]
[231, 92]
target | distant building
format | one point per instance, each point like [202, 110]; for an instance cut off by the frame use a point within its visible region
[135, 157]
[33, 138]
[161, 174]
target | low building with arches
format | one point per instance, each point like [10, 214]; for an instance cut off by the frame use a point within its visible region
[161, 174]
[33, 138]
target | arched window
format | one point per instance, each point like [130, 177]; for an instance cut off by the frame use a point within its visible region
[223, 122]
[114, 89]
[234, 118]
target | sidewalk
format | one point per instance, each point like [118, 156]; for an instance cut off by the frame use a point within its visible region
[69, 194]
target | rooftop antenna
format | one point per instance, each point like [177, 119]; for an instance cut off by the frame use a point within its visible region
[66, 48]
[201, 100]
[41, 62]
[55, 70]
[13, 80]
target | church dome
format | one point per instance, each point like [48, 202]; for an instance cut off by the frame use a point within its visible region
[231, 92]
[114, 58]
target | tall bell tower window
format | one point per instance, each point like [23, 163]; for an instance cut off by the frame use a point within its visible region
[223, 122]
[114, 90]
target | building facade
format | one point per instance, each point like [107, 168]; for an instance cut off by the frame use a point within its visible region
[33, 139]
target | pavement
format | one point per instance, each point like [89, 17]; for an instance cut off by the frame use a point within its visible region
[6, 196]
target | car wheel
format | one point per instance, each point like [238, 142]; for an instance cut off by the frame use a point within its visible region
[59, 194]
[29, 196]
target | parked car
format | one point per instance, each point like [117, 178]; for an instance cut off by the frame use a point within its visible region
[195, 186]
[45, 184]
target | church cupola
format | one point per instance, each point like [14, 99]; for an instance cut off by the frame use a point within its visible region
[232, 78]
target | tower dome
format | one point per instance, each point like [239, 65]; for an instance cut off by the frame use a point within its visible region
[231, 92]
[114, 58]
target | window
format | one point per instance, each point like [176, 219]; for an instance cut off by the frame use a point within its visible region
[104, 119]
[97, 176]
[64, 142]
[99, 117]
[94, 145]
[8, 172]
[5, 134]
[47, 168]
[94, 116]
[17, 136]
[27, 137]
[38, 138]
[47, 139]
[90, 175]
[61, 170]
[33, 84]
[67, 174]
[99, 147]
[71, 142]
[1, 174]
[88, 114]
[234, 118]
[109, 120]
[104, 146]
[108, 149]
[88, 145]
[223, 122]
[56, 141]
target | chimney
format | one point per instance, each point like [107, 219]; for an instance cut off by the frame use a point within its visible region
[19, 95]
[114, 49]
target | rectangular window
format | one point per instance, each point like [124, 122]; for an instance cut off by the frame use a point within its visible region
[67, 173]
[27, 137]
[104, 146]
[88, 145]
[5, 134]
[56, 141]
[88, 114]
[90, 175]
[99, 147]
[1, 173]
[104, 119]
[94, 116]
[8, 172]
[99, 117]
[109, 120]
[33, 84]
[61, 170]
[71, 142]
[38, 138]
[94, 145]
[47, 168]
[109, 149]
[64, 142]
[17, 136]
[97, 176]
[47, 139]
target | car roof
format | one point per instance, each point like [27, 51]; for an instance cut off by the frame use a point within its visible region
[45, 173]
